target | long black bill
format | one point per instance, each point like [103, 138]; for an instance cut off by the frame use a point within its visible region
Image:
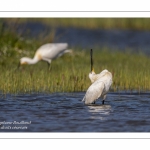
[91, 60]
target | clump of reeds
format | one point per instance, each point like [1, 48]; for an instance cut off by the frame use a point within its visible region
[69, 73]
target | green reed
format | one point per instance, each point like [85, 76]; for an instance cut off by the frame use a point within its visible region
[69, 73]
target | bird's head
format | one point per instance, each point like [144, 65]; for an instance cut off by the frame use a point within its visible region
[24, 61]
[92, 75]
[92, 71]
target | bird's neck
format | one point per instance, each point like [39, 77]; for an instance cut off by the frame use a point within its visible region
[92, 77]
[33, 61]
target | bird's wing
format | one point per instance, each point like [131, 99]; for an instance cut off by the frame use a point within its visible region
[51, 50]
[94, 92]
[103, 73]
[105, 76]
[107, 79]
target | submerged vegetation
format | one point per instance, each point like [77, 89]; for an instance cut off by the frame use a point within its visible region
[69, 73]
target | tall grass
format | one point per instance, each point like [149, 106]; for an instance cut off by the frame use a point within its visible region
[70, 73]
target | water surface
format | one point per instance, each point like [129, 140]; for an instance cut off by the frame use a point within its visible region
[65, 112]
[89, 38]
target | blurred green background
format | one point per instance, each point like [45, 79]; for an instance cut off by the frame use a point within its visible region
[70, 72]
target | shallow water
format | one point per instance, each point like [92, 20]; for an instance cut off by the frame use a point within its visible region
[65, 112]
[90, 38]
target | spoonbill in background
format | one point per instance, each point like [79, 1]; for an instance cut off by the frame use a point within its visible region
[47, 52]
[100, 85]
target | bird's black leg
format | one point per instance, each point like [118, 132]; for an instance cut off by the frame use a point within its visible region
[103, 98]
[103, 102]
[49, 66]
[93, 102]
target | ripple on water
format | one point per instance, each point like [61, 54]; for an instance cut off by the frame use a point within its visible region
[65, 112]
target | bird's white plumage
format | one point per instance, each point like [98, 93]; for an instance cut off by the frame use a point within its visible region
[99, 87]
[51, 50]
[47, 52]
[93, 76]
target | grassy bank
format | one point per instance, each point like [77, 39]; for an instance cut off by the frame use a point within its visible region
[70, 73]
[89, 23]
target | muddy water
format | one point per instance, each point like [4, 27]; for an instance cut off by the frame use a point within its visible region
[65, 112]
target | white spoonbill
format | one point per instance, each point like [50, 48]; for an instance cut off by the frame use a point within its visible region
[100, 85]
[47, 52]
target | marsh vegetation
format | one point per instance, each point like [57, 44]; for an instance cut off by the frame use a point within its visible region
[70, 72]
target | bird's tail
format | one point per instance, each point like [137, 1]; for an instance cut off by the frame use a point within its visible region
[65, 51]
[68, 51]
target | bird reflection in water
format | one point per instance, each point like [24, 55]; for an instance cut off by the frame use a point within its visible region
[99, 111]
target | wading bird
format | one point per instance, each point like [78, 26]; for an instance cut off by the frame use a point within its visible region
[100, 85]
[47, 52]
